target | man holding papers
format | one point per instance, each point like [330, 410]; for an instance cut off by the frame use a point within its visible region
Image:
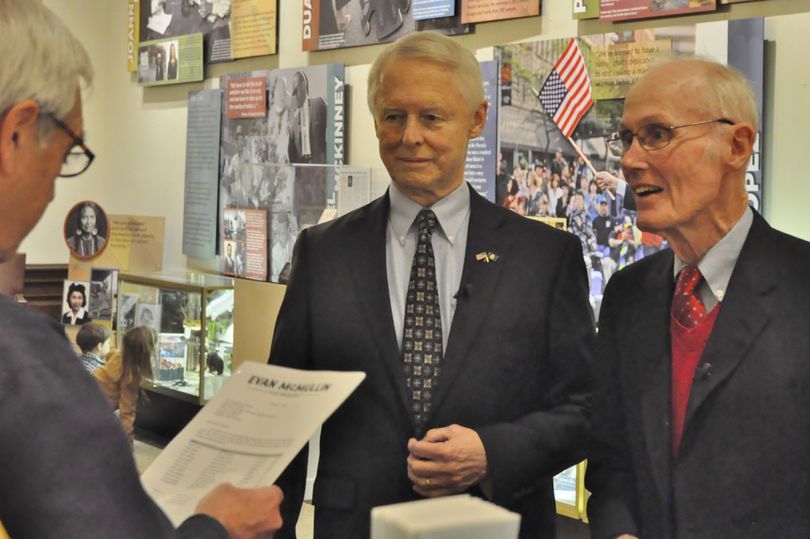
[471, 323]
[67, 470]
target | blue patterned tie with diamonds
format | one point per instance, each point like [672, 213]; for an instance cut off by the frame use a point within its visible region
[422, 335]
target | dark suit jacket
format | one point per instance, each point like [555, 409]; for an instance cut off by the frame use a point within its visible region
[317, 134]
[743, 468]
[516, 368]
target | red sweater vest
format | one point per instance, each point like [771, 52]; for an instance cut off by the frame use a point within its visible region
[687, 348]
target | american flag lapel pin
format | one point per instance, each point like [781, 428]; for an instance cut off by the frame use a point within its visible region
[486, 256]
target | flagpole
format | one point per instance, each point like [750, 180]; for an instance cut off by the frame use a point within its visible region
[588, 162]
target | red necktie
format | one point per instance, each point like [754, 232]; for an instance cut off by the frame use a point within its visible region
[686, 305]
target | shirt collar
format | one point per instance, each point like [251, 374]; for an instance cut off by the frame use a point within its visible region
[718, 262]
[451, 212]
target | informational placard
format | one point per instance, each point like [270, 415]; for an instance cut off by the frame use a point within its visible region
[615, 67]
[247, 97]
[171, 61]
[623, 10]
[202, 174]
[253, 28]
[473, 11]
[354, 188]
[482, 151]
[433, 9]
[246, 435]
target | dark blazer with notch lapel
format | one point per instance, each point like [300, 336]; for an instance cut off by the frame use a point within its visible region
[516, 368]
[743, 468]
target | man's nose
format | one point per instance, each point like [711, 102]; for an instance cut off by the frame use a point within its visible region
[413, 132]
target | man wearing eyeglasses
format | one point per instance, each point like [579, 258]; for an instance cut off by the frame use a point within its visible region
[701, 415]
[67, 470]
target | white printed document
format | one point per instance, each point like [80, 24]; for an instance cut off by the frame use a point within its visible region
[246, 435]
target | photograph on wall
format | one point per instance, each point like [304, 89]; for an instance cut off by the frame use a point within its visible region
[103, 290]
[335, 24]
[148, 314]
[170, 61]
[279, 162]
[473, 11]
[540, 174]
[163, 19]
[585, 9]
[126, 312]
[624, 10]
[87, 230]
[75, 307]
[245, 247]
[173, 310]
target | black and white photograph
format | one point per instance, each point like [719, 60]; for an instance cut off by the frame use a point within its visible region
[174, 309]
[148, 314]
[230, 265]
[161, 19]
[234, 226]
[126, 312]
[103, 289]
[75, 310]
[87, 230]
[283, 232]
[350, 23]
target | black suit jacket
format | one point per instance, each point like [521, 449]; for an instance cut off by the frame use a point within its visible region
[317, 134]
[516, 368]
[743, 468]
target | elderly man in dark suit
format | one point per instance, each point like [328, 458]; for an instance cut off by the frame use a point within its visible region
[307, 124]
[471, 323]
[701, 414]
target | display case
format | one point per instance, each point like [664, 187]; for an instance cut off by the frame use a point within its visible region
[192, 314]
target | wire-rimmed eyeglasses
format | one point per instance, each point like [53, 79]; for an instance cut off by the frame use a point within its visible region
[651, 136]
[78, 157]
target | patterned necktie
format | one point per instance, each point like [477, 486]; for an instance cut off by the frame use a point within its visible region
[686, 305]
[422, 335]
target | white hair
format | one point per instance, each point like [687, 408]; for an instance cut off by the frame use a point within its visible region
[41, 60]
[432, 47]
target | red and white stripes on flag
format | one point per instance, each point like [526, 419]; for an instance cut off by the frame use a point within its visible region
[566, 94]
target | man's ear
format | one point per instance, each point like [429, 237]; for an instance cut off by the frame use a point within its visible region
[479, 119]
[18, 127]
[742, 144]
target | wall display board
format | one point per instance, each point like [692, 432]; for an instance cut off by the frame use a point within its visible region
[473, 11]
[623, 10]
[482, 151]
[585, 9]
[277, 162]
[540, 174]
[433, 9]
[170, 61]
[231, 28]
[334, 24]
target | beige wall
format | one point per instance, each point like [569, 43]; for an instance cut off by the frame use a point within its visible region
[138, 133]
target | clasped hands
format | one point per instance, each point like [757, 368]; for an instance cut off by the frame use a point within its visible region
[446, 461]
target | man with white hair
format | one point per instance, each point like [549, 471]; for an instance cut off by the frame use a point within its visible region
[67, 470]
[471, 322]
[703, 390]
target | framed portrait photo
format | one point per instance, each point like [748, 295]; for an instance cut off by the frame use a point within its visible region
[87, 230]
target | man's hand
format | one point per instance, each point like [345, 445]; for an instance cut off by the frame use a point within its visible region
[245, 512]
[446, 461]
[605, 180]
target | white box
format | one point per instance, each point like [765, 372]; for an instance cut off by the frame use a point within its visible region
[451, 517]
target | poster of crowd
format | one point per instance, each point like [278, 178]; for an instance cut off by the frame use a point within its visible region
[335, 24]
[539, 173]
[283, 161]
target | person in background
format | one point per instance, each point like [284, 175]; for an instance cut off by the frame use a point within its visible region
[172, 67]
[471, 323]
[76, 299]
[700, 418]
[120, 378]
[93, 339]
[67, 470]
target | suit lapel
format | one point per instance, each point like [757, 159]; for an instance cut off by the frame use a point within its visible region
[370, 281]
[651, 360]
[743, 315]
[479, 281]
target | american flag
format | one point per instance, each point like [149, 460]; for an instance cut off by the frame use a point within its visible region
[566, 94]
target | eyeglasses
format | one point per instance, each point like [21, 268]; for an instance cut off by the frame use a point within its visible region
[76, 161]
[650, 136]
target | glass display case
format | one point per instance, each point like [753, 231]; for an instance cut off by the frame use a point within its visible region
[192, 314]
